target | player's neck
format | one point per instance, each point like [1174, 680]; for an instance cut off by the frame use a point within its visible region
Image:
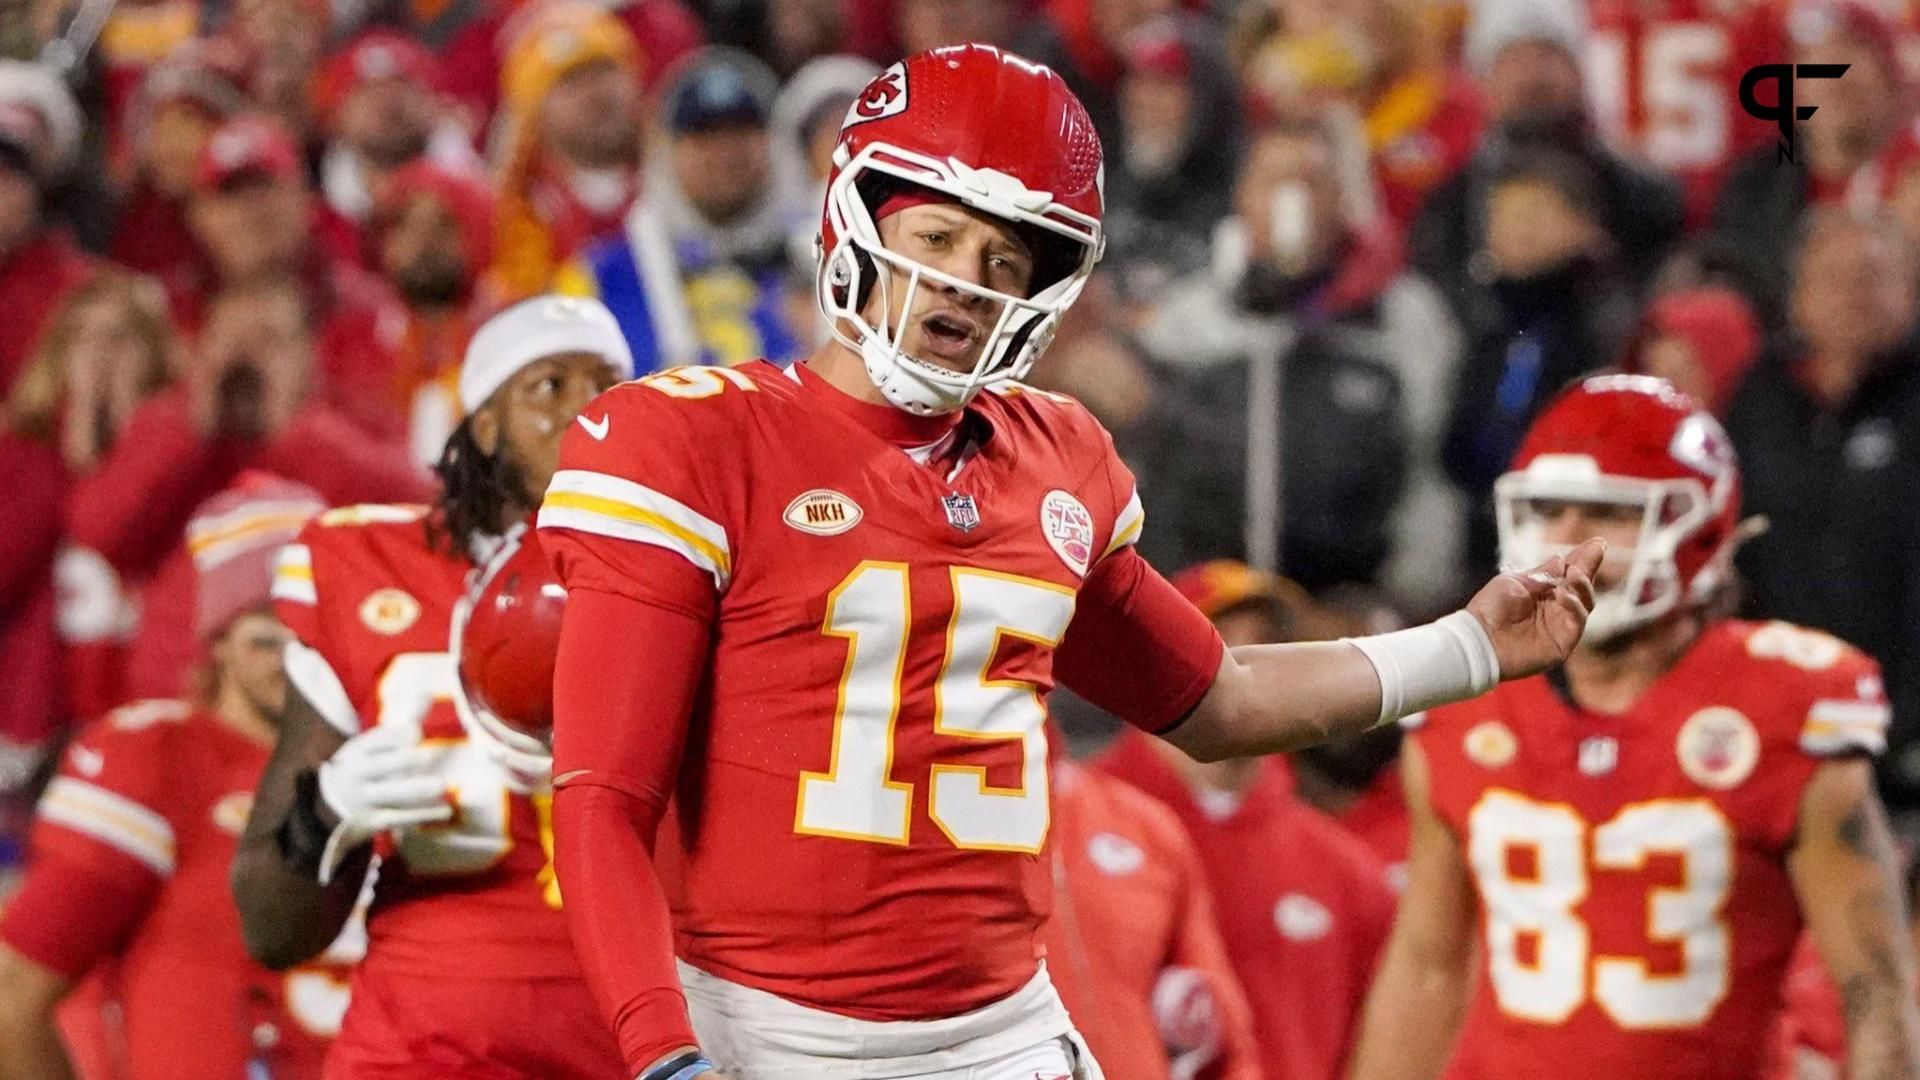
[1611, 680]
[848, 389]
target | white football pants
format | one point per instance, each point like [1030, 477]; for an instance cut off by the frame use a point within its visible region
[753, 1035]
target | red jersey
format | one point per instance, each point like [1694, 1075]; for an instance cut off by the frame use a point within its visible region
[1304, 926]
[862, 821]
[1133, 903]
[365, 589]
[1664, 76]
[131, 850]
[1632, 869]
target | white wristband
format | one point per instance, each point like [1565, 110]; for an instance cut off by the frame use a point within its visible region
[1449, 660]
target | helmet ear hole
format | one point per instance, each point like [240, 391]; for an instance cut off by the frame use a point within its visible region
[865, 276]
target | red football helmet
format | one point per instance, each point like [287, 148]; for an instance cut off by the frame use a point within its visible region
[989, 130]
[507, 636]
[1637, 441]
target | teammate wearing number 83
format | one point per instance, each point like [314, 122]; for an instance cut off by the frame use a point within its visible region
[1644, 831]
[818, 610]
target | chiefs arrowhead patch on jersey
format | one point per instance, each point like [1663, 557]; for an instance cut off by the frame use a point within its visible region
[1491, 744]
[1718, 747]
[1069, 529]
[1299, 917]
[822, 513]
[230, 812]
[1116, 856]
[389, 611]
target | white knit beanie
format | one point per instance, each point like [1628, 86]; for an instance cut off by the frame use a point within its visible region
[1497, 24]
[533, 330]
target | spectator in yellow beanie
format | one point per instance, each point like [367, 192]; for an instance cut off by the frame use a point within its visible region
[566, 143]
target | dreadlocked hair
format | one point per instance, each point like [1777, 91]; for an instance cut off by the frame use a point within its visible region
[477, 491]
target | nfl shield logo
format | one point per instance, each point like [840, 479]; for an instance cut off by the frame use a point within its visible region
[962, 514]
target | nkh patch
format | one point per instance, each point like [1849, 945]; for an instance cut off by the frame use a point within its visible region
[822, 512]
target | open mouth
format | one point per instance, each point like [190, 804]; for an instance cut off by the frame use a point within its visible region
[949, 336]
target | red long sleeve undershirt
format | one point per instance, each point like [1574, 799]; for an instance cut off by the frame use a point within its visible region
[619, 728]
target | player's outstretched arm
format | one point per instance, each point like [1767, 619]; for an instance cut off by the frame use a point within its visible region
[286, 915]
[29, 1042]
[1419, 994]
[1271, 698]
[1847, 876]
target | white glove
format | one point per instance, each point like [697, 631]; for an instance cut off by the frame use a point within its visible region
[378, 780]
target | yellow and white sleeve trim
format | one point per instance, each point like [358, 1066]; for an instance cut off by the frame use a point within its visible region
[112, 819]
[1835, 726]
[609, 506]
[293, 575]
[1126, 528]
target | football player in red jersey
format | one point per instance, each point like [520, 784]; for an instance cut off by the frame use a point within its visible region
[135, 836]
[841, 591]
[1641, 835]
[468, 969]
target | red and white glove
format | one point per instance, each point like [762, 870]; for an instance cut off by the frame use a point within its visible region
[1183, 1007]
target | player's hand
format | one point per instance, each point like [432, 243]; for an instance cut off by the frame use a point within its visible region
[1535, 617]
[379, 780]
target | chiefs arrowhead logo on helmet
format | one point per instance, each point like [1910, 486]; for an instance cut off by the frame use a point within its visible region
[883, 97]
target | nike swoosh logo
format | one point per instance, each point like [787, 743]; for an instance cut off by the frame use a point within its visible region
[596, 428]
[88, 762]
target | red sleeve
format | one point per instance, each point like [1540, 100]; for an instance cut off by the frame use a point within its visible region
[619, 730]
[639, 486]
[30, 504]
[101, 846]
[337, 457]
[134, 507]
[1136, 648]
[68, 914]
[296, 597]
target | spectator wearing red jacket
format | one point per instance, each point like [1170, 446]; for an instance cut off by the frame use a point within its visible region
[431, 237]
[1132, 945]
[1304, 907]
[254, 395]
[1702, 339]
[63, 613]
[40, 132]
[379, 108]
[177, 107]
[254, 216]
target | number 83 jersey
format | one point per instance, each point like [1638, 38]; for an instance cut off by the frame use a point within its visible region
[367, 589]
[863, 806]
[1635, 903]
